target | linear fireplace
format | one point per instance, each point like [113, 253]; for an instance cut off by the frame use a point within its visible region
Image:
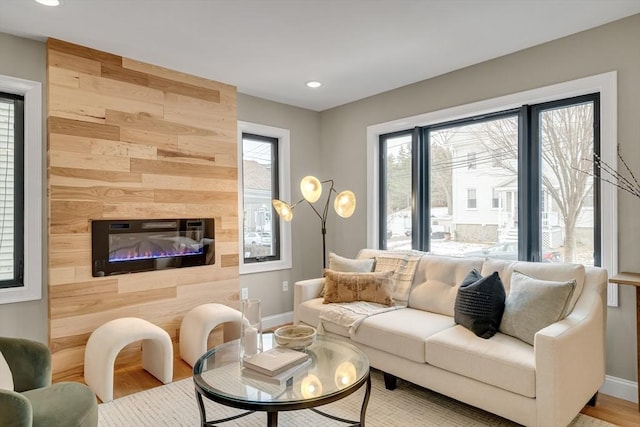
[129, 246]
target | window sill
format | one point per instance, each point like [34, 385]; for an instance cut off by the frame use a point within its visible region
[262, 267]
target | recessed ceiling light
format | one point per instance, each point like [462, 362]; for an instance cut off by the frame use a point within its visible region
[49, 2]
[313, 84]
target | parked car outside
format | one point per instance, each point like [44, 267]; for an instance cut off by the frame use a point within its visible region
[252, 238]
[266, 238]
[509, 251]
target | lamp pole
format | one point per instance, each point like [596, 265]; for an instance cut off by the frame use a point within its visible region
[323, 220]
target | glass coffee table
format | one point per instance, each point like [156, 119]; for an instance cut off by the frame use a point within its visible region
[337, 369]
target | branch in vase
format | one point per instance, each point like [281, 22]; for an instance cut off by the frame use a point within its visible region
[613, 177]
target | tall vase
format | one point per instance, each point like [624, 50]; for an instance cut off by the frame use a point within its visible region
[251, 330]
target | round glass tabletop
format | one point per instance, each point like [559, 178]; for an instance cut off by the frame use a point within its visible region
[336, 369]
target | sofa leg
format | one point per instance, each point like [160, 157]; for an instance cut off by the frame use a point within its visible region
[592, 401]
[390, 381]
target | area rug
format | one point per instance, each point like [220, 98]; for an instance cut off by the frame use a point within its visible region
[174, 405]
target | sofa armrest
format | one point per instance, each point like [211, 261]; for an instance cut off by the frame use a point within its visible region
[29, 361]
[570, 361]
[15, 409]
[305, 290]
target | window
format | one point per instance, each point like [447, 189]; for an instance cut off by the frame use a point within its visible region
[495, 199]
[544, 202]
[472, 202]
[21, 217]
[11, 190]
[264, 239]
[396, 198]
[260, 182]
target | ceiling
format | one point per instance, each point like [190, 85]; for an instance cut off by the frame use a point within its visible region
[270, 48]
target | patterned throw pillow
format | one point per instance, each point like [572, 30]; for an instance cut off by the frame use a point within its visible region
[349, 287]
[480, 303]
[403, 268]
[534, 304]
[342, 264]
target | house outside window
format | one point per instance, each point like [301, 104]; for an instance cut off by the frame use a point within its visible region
[533, 198]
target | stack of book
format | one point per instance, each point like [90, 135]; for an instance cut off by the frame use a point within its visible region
[275, 366]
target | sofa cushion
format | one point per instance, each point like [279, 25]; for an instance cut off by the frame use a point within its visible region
[349, 287]
[403, 267]
[480, 304]
[401, 332]
[502, 361]
[339, 263]
[441, 276]
[561, 272]
[534, 304]
[309, 313]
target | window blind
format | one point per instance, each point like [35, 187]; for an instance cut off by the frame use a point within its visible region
[7, 189]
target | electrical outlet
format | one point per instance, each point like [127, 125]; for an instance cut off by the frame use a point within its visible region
[285, 286]
[244, 293]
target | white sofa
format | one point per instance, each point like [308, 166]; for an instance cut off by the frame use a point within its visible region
[546, 384]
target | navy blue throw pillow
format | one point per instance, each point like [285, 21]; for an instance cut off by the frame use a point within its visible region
[480, 303]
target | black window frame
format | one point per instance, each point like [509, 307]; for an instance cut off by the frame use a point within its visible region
[18, 203]
[529, 176]
[275, 185]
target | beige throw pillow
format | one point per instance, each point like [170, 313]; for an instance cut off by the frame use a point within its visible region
[6, 378]
[534, 304]
[349, 287]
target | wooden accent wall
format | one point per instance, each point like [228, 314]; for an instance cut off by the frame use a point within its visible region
[129, 140]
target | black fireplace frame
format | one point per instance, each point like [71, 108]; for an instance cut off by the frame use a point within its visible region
[101, 229]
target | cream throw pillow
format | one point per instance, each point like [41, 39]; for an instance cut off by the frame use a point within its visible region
[350, 287]
[6, 378]
[403, 268]
[534, 304]
[339, 263]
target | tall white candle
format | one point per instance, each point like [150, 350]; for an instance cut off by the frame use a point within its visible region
[250, 340]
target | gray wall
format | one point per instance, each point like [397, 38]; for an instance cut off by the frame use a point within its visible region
[615, 46]
[304, 127]
[26, 59]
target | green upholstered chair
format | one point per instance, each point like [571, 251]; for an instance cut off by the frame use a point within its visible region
[35, 401]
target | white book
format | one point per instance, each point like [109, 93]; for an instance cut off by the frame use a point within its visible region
[275, 360]
[278, 379]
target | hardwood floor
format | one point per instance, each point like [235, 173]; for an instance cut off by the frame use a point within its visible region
[134, 379]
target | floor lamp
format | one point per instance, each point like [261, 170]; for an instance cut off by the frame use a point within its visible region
[311, 189]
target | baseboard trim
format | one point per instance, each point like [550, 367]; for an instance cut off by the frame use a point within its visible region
[277, 320]
[620, 388]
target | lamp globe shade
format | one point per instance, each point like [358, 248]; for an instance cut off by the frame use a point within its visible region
[311, 188]
[283, 209]
[345, 204]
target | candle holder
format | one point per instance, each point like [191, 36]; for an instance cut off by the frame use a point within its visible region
[251, 330]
